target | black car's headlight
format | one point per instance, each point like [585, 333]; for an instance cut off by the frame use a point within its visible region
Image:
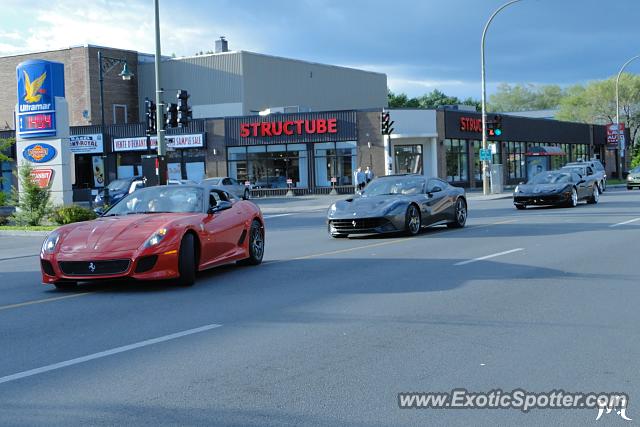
[517, 189]
[332, 210]
[50, 243]
[155, 238]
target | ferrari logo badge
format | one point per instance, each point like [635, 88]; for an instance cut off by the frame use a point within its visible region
[92, 267]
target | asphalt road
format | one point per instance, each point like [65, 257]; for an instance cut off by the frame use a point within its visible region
[328, 332]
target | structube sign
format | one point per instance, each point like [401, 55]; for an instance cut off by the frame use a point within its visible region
[173, 141]
[298, 127]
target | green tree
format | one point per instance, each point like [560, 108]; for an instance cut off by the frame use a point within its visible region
[595, 102]
[431, 100]
[525, 97]
[33, 204]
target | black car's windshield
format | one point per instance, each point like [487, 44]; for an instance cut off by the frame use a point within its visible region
[212, 181]
[119, 185]
[551, 178]
[396, 185]
[159, 199]
[635, 170]
[581, 170]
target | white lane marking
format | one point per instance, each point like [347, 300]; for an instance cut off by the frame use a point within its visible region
[482, 258]
[276, 216]
[625, 222]
[41, 301]
[105, 353]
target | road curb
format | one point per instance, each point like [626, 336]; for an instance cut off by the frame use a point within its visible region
[19, 233]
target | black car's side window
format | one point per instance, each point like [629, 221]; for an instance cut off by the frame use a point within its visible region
[434, 184]
[226, 181]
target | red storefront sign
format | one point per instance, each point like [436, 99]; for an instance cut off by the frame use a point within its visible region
[289, 127]
[42, 177]
[469, 124]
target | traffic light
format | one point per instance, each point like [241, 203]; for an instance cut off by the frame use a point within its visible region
[498, 125]
[150, 116]
[153, 118]
[172, 116]
[386, 123]
[494, 126]
[184, 111]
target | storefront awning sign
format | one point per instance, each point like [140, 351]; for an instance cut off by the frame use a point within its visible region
[173, 141]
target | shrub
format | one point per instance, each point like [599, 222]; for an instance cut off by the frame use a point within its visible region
[32, 202]
[67, 214]
[3, 198]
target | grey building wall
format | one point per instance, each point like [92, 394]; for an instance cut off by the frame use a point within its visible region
[242, 83]
[82, 86]
[369, 132]
[277, 82]
[209, 79]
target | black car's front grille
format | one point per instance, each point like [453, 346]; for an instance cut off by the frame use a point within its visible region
[94, 268]
[360, 225]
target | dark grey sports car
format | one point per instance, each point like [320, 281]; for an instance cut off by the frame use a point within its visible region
[398, 203]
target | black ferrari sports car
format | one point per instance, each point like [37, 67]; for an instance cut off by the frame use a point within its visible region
[555, 188]
[398, 203]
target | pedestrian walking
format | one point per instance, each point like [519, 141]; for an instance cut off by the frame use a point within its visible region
[361, 179]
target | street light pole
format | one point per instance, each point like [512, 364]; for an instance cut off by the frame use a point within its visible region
[621, 147]
[485, 164]
[162, 150]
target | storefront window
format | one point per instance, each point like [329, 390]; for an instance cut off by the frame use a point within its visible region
[129, 164]
[580, 152]
[335, 160]
[5, 177]
[408, 158]
[457, 160]
[516, 166]
[269, 166]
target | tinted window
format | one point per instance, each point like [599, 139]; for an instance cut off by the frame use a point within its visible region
[226, 181]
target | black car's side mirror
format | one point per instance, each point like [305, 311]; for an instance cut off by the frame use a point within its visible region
[220, 206]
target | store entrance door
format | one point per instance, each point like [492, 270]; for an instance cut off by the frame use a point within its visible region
[408, 159]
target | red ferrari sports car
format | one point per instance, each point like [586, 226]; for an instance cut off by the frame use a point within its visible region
[164, 232]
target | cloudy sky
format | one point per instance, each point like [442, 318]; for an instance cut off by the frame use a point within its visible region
[420, 44]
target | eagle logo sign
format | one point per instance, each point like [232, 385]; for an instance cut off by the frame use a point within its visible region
[33, 90]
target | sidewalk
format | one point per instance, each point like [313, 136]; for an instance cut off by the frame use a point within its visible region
[320, 203]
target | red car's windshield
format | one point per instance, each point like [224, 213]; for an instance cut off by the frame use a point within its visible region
[160, 199]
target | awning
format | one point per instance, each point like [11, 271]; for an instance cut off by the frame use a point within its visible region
[544, 151]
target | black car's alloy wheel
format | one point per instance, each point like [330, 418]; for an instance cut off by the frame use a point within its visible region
[186, 261]
[573, 200]
[256, 244]
[460, 218]
[413, 222]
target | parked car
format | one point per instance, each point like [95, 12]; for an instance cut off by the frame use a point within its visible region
[555, 188]
[271, 182]
[398, 203]
[156, 233]
[117, 190]
[598, 170]
[229, 184]
[633, 179]
[586, 172]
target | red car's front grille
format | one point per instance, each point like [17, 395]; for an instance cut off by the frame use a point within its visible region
[94, 268]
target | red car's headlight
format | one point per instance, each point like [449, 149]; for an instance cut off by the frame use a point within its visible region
[50, 243]
[155, 238]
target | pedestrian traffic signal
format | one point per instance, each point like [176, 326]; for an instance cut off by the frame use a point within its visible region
[172, 116]
[386, 124]
[184, 111]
